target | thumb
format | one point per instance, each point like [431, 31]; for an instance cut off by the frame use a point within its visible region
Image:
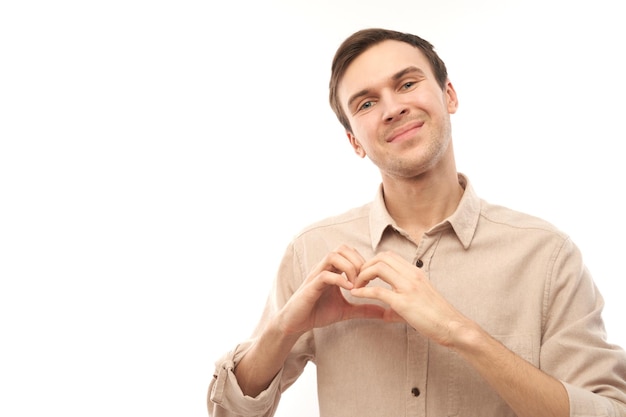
[364, 311]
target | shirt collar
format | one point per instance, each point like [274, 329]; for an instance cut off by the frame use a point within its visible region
[463, 221]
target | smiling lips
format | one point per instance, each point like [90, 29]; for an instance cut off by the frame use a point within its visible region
[404, 131]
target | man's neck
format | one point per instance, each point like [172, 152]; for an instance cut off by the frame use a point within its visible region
[418, 204]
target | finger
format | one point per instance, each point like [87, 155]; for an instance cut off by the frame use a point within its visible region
[364, 311]
[390, 258]
[336, 262]
[343, 260]
[376, 270]
[383, 295]
[355, 260]
[327, 278]
[374, 293]
[398, 263]
[389, 267]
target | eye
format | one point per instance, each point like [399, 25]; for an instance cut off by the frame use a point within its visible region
[366, 105]
[407, 85]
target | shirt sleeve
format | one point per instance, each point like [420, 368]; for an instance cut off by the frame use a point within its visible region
[225, 398]
[575, 348]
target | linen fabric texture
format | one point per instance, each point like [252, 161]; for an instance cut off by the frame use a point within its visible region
[517, 276]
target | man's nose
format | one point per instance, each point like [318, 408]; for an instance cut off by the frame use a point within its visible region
[394, 109]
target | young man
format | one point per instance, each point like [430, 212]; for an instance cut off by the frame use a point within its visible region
[428, 301]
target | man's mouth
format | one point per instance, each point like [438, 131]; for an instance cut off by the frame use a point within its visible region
[404, 131]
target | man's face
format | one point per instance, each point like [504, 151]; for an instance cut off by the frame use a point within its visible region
[399, 115]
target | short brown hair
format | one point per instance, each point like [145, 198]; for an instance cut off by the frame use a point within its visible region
[362, 40]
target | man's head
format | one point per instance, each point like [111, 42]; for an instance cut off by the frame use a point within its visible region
[362, 40]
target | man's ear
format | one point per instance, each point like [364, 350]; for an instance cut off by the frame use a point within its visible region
[358, 149]
[451, 98]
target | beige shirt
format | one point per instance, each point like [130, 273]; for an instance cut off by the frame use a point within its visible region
[517, 276]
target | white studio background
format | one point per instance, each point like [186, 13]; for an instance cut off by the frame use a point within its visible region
[157, 156]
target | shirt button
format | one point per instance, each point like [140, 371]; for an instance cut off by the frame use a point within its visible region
[415, 391]
[419, 263]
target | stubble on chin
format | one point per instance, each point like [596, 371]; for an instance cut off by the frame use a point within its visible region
[419, 158]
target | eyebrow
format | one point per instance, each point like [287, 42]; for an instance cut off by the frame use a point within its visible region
[395, 77]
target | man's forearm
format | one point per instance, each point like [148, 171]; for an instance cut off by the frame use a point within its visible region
[526, 389]
[263, 361]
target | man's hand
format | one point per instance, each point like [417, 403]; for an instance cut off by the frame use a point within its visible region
[319, 301]
[412, 298]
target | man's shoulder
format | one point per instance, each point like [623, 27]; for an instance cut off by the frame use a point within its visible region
[509, 217]
[346, 219]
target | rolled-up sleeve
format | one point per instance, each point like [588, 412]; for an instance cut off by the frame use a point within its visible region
[584, 403]
[225, 395]
[225, 398]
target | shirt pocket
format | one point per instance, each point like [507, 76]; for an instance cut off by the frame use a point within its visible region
[469, 394]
